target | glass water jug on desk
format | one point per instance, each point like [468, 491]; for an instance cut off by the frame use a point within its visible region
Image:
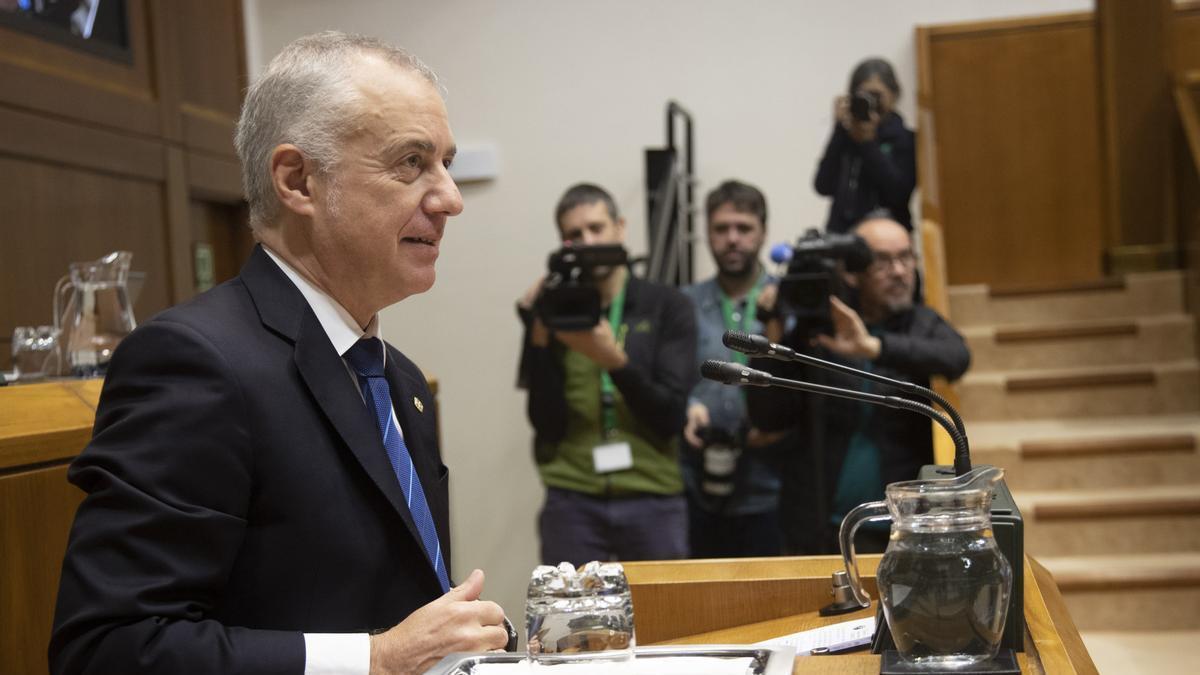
[97, 314]
[943, 583]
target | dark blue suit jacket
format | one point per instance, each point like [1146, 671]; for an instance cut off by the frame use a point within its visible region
[239, 494]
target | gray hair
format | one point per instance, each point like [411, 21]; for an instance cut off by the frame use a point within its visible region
[306, 97]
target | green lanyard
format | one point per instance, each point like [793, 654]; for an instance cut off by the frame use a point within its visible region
[608, 406]
[747, 316]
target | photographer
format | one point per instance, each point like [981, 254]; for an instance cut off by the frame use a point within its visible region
[849, 451]
[607, 405]
[870, 160]
[732, 490]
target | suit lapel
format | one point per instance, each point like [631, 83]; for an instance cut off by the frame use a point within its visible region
[284, 310]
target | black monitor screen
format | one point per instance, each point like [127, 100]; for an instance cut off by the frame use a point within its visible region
[98, 26]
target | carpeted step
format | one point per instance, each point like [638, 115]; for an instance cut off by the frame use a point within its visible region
[1142, 340]
[1130, 592]
[1147, 519]
[1157, 652]
[1134, 295]
[1153, 389]
[1085, 453]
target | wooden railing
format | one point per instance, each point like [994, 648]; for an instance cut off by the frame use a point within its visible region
[937, 298]
[1187, 184]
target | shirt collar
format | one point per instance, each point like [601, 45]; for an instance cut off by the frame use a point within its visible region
[342, 329]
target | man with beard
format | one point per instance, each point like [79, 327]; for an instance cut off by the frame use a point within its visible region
[732, 491]
[607, 405]
[864, 447]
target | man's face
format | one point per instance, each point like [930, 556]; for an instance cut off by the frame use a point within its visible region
[589, 224]
[735, 239]
[382, 210]
[888, 282]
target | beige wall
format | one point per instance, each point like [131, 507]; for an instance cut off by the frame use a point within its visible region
[575, 90]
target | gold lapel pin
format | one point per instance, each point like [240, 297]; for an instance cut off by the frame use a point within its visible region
[420, 406]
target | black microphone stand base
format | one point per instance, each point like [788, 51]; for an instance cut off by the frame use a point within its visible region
[1004, 663]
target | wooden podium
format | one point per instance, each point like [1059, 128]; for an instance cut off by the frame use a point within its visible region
[747, 600]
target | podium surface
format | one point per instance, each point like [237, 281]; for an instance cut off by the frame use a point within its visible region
[742, 601]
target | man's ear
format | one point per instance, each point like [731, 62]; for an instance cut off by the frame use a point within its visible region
[290, 173]
[621, 227]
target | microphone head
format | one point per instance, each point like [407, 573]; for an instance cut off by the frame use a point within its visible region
[740, 341]
[781, 253]
[720, 371]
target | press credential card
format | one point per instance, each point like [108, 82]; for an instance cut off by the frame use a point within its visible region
[612, 457]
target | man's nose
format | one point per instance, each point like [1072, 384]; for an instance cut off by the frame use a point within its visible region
[445, 196]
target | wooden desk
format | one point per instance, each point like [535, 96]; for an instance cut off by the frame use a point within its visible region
[748, 600]
[42, 428]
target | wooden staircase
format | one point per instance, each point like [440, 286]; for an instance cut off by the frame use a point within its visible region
[1089, 397]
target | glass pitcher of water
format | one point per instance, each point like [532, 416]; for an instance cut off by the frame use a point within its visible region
[97, 313]
[943, 582]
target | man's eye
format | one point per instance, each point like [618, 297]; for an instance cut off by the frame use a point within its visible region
[448, 162]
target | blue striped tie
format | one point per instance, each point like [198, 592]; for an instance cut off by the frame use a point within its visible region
[366, 357]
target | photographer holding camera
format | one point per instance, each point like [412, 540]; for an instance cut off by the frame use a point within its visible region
[870, 160]
[848, 451]
[732, 489]
[607, 402]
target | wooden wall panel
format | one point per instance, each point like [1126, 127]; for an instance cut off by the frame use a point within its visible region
[74, 84]
[1186, 36]
[48, 231]
[99, 153]
[212, 71]
[1015, 109]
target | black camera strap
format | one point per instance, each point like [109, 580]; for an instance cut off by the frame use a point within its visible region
[608, 404]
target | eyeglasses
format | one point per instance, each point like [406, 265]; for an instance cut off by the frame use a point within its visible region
[882, 262]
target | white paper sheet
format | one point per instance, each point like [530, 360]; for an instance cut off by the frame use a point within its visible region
[836, 637]
[675, 665]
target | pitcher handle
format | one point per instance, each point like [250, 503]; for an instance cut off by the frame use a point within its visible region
[59, 288]
[863, 513]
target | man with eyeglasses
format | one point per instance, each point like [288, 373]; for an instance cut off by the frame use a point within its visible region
[862, 448]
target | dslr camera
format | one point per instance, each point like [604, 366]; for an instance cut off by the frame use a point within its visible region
[862, 104]
[569, 299]
[812, 276]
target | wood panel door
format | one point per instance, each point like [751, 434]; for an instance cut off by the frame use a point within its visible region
[1016, 148]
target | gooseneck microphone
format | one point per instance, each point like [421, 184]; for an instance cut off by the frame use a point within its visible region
[737, 374]
[758, 345]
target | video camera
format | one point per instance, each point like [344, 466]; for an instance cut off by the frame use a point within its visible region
[569, 299]
[812, 276]
[862, 104]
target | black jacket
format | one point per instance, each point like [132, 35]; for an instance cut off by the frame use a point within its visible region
[656, 381]
[239, 495]
[917, 344]
[862, 177]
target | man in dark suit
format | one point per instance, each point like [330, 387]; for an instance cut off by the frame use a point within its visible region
[265, 490]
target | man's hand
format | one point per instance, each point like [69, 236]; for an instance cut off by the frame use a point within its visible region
[598, 344]
[697, 419]
[841, 111]
[757, 438]
[539, 335]
[850, 336]
[456, 622]
[767, 297]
